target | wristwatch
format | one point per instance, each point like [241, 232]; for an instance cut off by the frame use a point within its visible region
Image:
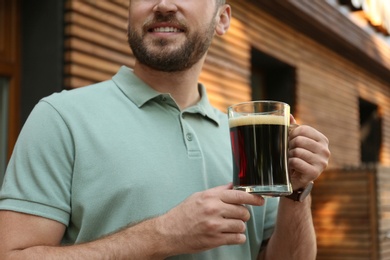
[301, 194]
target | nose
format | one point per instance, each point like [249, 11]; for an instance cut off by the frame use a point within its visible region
[165, 6]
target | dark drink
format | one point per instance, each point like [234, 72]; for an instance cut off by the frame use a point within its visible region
[259, 147]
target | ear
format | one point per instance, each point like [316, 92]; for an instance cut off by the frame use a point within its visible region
[223, 22]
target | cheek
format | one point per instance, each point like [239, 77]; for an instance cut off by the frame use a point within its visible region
[135, 23]
[139, 12]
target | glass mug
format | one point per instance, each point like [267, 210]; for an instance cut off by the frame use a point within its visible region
[259, 141]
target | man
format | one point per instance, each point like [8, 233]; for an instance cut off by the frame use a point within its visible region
[138, 167]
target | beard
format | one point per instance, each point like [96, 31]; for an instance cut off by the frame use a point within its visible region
[167, 59]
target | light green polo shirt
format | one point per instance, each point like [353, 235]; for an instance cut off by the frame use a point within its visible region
[101, 157]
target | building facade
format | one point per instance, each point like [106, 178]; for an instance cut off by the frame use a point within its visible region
[329, 59]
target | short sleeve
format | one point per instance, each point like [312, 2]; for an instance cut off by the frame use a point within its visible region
[39, 174]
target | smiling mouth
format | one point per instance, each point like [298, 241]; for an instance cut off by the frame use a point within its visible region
[166, 30]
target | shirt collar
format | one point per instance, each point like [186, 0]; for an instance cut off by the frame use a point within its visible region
[133, 87]
[140, 93]
[204, 107]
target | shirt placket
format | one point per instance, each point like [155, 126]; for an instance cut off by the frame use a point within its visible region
[190, 137]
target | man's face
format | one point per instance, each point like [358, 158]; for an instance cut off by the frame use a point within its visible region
[171, 35]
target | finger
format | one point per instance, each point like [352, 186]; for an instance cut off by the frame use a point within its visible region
[228, 186]
[302, 170]
[291, 128]
[316, 158]
[310, 133]
[239, 212]
[293, 124]
[310, 145]
[241, 197]
[233, 238]
[292, 119]
[233, 226]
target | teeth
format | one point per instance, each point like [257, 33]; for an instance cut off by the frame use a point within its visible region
[166, 29]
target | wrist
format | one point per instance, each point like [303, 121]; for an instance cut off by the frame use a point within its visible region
[145, 240]
[166, 245]
[300, 194]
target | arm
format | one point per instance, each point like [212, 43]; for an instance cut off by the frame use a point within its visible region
[25, 236]
[203, 221]
[294, 234]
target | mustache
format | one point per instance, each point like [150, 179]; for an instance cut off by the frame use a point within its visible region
[165, 18]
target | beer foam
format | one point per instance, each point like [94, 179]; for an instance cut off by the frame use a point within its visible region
[257, 120]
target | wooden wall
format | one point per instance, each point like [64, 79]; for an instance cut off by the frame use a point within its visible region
[351, 212]
[383, 195]
[328, 85]
[345, 215]
[95, 45]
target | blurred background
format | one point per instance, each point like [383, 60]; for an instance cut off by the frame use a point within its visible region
[329, 59]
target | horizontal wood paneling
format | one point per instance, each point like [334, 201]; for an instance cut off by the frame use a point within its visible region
[96, 41]
[344, 213]
[383, 193]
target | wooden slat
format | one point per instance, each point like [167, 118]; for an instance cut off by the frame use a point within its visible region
[92, 49]
[99, 27]
[92, 62]
[111, 7]
[72, 82]
[122, 3]
[90, 9]
[96, 38]
[87, 73]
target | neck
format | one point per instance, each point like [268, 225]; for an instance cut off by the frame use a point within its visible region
[183, 85]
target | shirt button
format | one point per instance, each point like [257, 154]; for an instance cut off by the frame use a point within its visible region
[163, 99]
[189, 137]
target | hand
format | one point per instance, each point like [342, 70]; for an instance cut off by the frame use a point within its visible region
[208, 219]
[308, 155]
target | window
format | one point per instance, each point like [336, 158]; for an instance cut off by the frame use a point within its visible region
[272, 79]
[3, 125]
[370, 132]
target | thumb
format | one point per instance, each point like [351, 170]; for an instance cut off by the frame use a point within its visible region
[293, 124]
[292, 120]
[228, 186]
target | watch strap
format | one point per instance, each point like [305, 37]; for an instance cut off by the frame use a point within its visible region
[300, 194]
[295, 195]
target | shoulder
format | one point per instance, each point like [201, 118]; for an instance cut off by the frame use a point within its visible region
[87, 93]
[84, 104]
[89, 100]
